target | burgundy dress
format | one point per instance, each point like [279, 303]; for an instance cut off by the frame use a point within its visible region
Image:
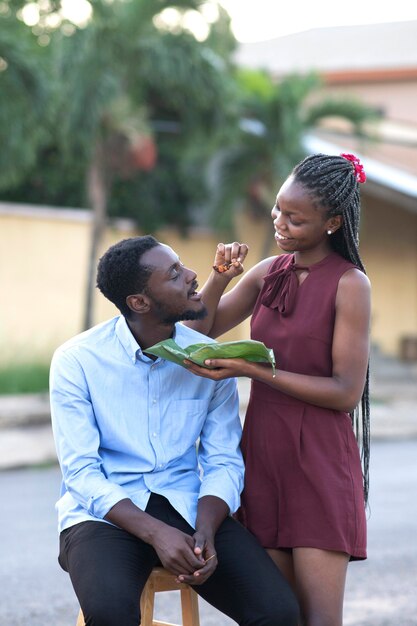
[303, 482]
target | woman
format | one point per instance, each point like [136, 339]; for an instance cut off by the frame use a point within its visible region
[305, 492]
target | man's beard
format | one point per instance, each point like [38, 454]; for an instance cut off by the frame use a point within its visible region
[179, 317]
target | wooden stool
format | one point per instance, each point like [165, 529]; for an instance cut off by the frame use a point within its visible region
[161, 580]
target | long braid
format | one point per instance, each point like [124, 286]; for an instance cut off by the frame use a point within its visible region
[333, 184]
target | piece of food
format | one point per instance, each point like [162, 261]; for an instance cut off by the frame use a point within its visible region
[222, 268]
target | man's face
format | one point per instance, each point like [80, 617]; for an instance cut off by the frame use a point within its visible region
[172, 288]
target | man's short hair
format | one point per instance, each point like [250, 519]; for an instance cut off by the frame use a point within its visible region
[120, 273]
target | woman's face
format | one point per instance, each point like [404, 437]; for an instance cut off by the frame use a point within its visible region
[300, 223]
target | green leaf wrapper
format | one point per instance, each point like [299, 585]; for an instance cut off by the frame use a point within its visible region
[197, 353]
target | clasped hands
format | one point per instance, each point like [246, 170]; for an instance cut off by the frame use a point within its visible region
[191, 558]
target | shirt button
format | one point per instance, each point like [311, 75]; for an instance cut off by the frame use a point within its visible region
[154, 434]
[160, 466]
[154, 401]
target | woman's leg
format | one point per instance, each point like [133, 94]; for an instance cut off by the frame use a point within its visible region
[283, 560]
[320, 577]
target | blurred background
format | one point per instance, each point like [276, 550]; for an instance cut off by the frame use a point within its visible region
[182, 119]
[125, 117]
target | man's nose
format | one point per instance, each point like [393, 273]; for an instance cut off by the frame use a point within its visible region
[191, 275]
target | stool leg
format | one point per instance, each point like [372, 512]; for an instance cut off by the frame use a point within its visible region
[189, 606]
[147, 601]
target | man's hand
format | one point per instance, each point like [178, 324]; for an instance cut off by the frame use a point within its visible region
[204, 549]
[176, 551]
[211, 511]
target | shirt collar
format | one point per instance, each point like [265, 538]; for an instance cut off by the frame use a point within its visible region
[127, 340]
[134, 351]
[183, 335]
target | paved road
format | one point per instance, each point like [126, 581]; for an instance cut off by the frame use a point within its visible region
[380, 591]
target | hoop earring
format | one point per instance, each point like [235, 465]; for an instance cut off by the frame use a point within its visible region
[329, 232]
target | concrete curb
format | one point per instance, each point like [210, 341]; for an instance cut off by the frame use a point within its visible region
[24, 410]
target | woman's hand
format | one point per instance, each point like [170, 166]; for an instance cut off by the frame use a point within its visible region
[229, 258]
[221, 368]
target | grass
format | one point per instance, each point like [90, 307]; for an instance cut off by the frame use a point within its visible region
[24, 378]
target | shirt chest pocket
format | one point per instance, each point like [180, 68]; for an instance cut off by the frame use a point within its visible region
[186, 419]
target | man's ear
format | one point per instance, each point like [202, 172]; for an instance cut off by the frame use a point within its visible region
[334, 223]
[139, 303]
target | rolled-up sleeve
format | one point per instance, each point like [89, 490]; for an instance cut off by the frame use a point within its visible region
[219, 447]
[77, 438]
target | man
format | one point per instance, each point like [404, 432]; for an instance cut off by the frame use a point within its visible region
[126, 427]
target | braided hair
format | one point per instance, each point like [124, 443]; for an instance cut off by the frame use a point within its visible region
[334, 184]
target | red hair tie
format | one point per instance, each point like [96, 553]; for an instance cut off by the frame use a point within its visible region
[357, 165]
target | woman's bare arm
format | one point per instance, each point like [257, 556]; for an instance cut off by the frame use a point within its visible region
[350, 352]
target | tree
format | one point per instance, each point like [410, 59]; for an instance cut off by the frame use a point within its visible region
[116, 74]
[24, 98]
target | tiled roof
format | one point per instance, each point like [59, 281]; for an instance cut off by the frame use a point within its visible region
[374, 52]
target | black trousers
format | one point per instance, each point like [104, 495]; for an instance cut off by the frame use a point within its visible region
[109, 568]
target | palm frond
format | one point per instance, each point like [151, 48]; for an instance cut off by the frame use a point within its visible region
[349, 109]
[24, 90]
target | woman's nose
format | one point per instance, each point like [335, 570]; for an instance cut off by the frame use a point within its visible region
[275, 216]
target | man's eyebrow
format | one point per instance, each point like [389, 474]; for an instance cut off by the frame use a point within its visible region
[174, 266]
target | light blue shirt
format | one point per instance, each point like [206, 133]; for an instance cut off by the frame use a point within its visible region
[126, 426]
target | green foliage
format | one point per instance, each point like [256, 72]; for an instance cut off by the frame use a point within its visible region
[122, 54]
[95, 90]
[51, 181]
[221, 38]
[118, 78]
[24, 99]
[349, 109]
[254, 85]
[24, 378]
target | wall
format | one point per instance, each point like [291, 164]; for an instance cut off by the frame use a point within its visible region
[389, 250]
[396, 98]
[43, 261]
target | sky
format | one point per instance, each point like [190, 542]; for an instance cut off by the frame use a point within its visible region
[257, 20]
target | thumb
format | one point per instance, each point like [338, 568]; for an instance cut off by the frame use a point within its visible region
[199, 544]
